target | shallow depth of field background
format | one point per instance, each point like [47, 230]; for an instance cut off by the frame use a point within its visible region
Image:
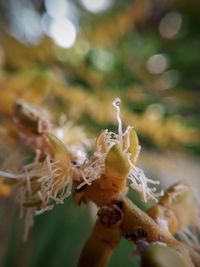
[147, 53]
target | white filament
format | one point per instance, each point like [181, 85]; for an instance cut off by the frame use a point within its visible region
[12, 175]
[116, 104]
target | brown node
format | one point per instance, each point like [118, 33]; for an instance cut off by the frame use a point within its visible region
[138, 234]
[110, 215]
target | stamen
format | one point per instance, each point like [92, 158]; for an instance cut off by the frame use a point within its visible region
[47, 208]
[91, 170]
[12, 175]
[140, 184]
[116, 104]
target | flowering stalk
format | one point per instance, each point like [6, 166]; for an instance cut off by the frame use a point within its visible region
[102, 242]
[103, 179]
[108, 188]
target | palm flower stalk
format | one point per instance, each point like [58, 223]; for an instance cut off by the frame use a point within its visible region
[104, 179]
[117, 154]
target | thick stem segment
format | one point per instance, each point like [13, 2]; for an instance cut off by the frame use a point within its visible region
[137, 225]
[100, 245]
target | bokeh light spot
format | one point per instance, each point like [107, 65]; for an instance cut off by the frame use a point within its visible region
[170, 25]
[96, 6]
[155, 111]
[63, 32]
[56, 8]
[158, 63]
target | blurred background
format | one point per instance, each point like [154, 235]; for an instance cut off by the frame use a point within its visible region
[74, 58]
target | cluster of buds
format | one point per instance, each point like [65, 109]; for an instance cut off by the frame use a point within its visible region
[104, 179]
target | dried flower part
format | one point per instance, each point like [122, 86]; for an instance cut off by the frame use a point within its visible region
[163, 256]
[33, 123]
[179, 210]
[179, 198]
[165, 217]
[32, 117]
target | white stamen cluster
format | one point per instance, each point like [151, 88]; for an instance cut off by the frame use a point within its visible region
[140, 183]
[93, 168]
[44, 181]
[48, 175]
